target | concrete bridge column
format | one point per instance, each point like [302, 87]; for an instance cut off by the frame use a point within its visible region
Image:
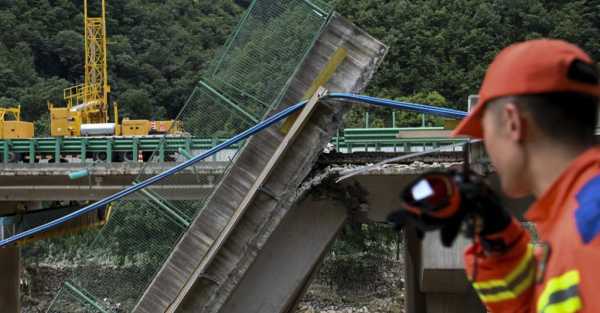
[435, 280]
[10, 267]
[10, 257]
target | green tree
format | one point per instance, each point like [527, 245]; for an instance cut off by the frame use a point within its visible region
[446, 45]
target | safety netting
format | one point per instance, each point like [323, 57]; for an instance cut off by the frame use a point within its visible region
[246, 80]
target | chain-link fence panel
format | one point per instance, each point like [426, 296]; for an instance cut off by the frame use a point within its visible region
[245, 82]
[267, 48]
[142, 229]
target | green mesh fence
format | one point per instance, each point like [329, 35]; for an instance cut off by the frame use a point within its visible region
[245, 82]
[263, 54]
[70, 299]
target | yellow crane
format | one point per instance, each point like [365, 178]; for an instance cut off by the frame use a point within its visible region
[87, 105]
[95, 86]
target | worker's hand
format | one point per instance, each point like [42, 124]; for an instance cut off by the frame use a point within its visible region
[451, 202]
[448, 227]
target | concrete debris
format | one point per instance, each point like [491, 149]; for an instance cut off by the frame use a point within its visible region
[395, 169]
[331, 172]
[376, 306]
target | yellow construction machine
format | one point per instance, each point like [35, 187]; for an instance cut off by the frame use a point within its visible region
[87, 105]
[11, 126]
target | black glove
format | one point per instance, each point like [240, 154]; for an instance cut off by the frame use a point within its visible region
[446, 201]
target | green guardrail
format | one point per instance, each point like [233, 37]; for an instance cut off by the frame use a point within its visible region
[378, 139]
[109, 148]
[105, 148]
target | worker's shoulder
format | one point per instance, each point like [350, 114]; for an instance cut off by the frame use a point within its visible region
[587, 209]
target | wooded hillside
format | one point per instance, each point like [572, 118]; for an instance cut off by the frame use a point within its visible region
[158, 49]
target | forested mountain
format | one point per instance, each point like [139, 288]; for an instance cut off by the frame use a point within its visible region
[446, 45]
[158, 49]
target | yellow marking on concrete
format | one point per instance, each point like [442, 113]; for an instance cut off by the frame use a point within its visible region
[324, 76]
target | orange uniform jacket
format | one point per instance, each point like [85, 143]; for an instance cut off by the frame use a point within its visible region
[561, 272]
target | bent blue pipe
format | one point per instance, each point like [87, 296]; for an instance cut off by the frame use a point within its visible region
[420, 108]
[400, 105]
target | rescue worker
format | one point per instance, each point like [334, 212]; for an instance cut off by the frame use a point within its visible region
[537, 115]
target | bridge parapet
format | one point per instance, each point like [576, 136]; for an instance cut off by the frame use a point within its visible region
[26, 182]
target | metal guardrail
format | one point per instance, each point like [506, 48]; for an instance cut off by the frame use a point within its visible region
[103, 148]
[106, 148]
[386, 140]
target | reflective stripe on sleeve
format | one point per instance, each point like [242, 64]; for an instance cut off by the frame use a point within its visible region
[561, 294]
[512, 285]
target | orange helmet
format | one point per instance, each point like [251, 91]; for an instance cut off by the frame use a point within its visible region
[530, 67]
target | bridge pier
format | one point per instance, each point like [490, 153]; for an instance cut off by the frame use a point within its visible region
[10, 268]
[413, 296]
[435, 281]
[10, 257]
[442, 280]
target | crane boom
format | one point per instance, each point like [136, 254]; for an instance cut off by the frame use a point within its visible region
[96, 87]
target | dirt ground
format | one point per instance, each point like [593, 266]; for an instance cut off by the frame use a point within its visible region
[356, 285]
[39, 284]
[343, 285]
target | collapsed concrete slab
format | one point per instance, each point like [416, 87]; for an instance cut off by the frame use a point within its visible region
[208, 264]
